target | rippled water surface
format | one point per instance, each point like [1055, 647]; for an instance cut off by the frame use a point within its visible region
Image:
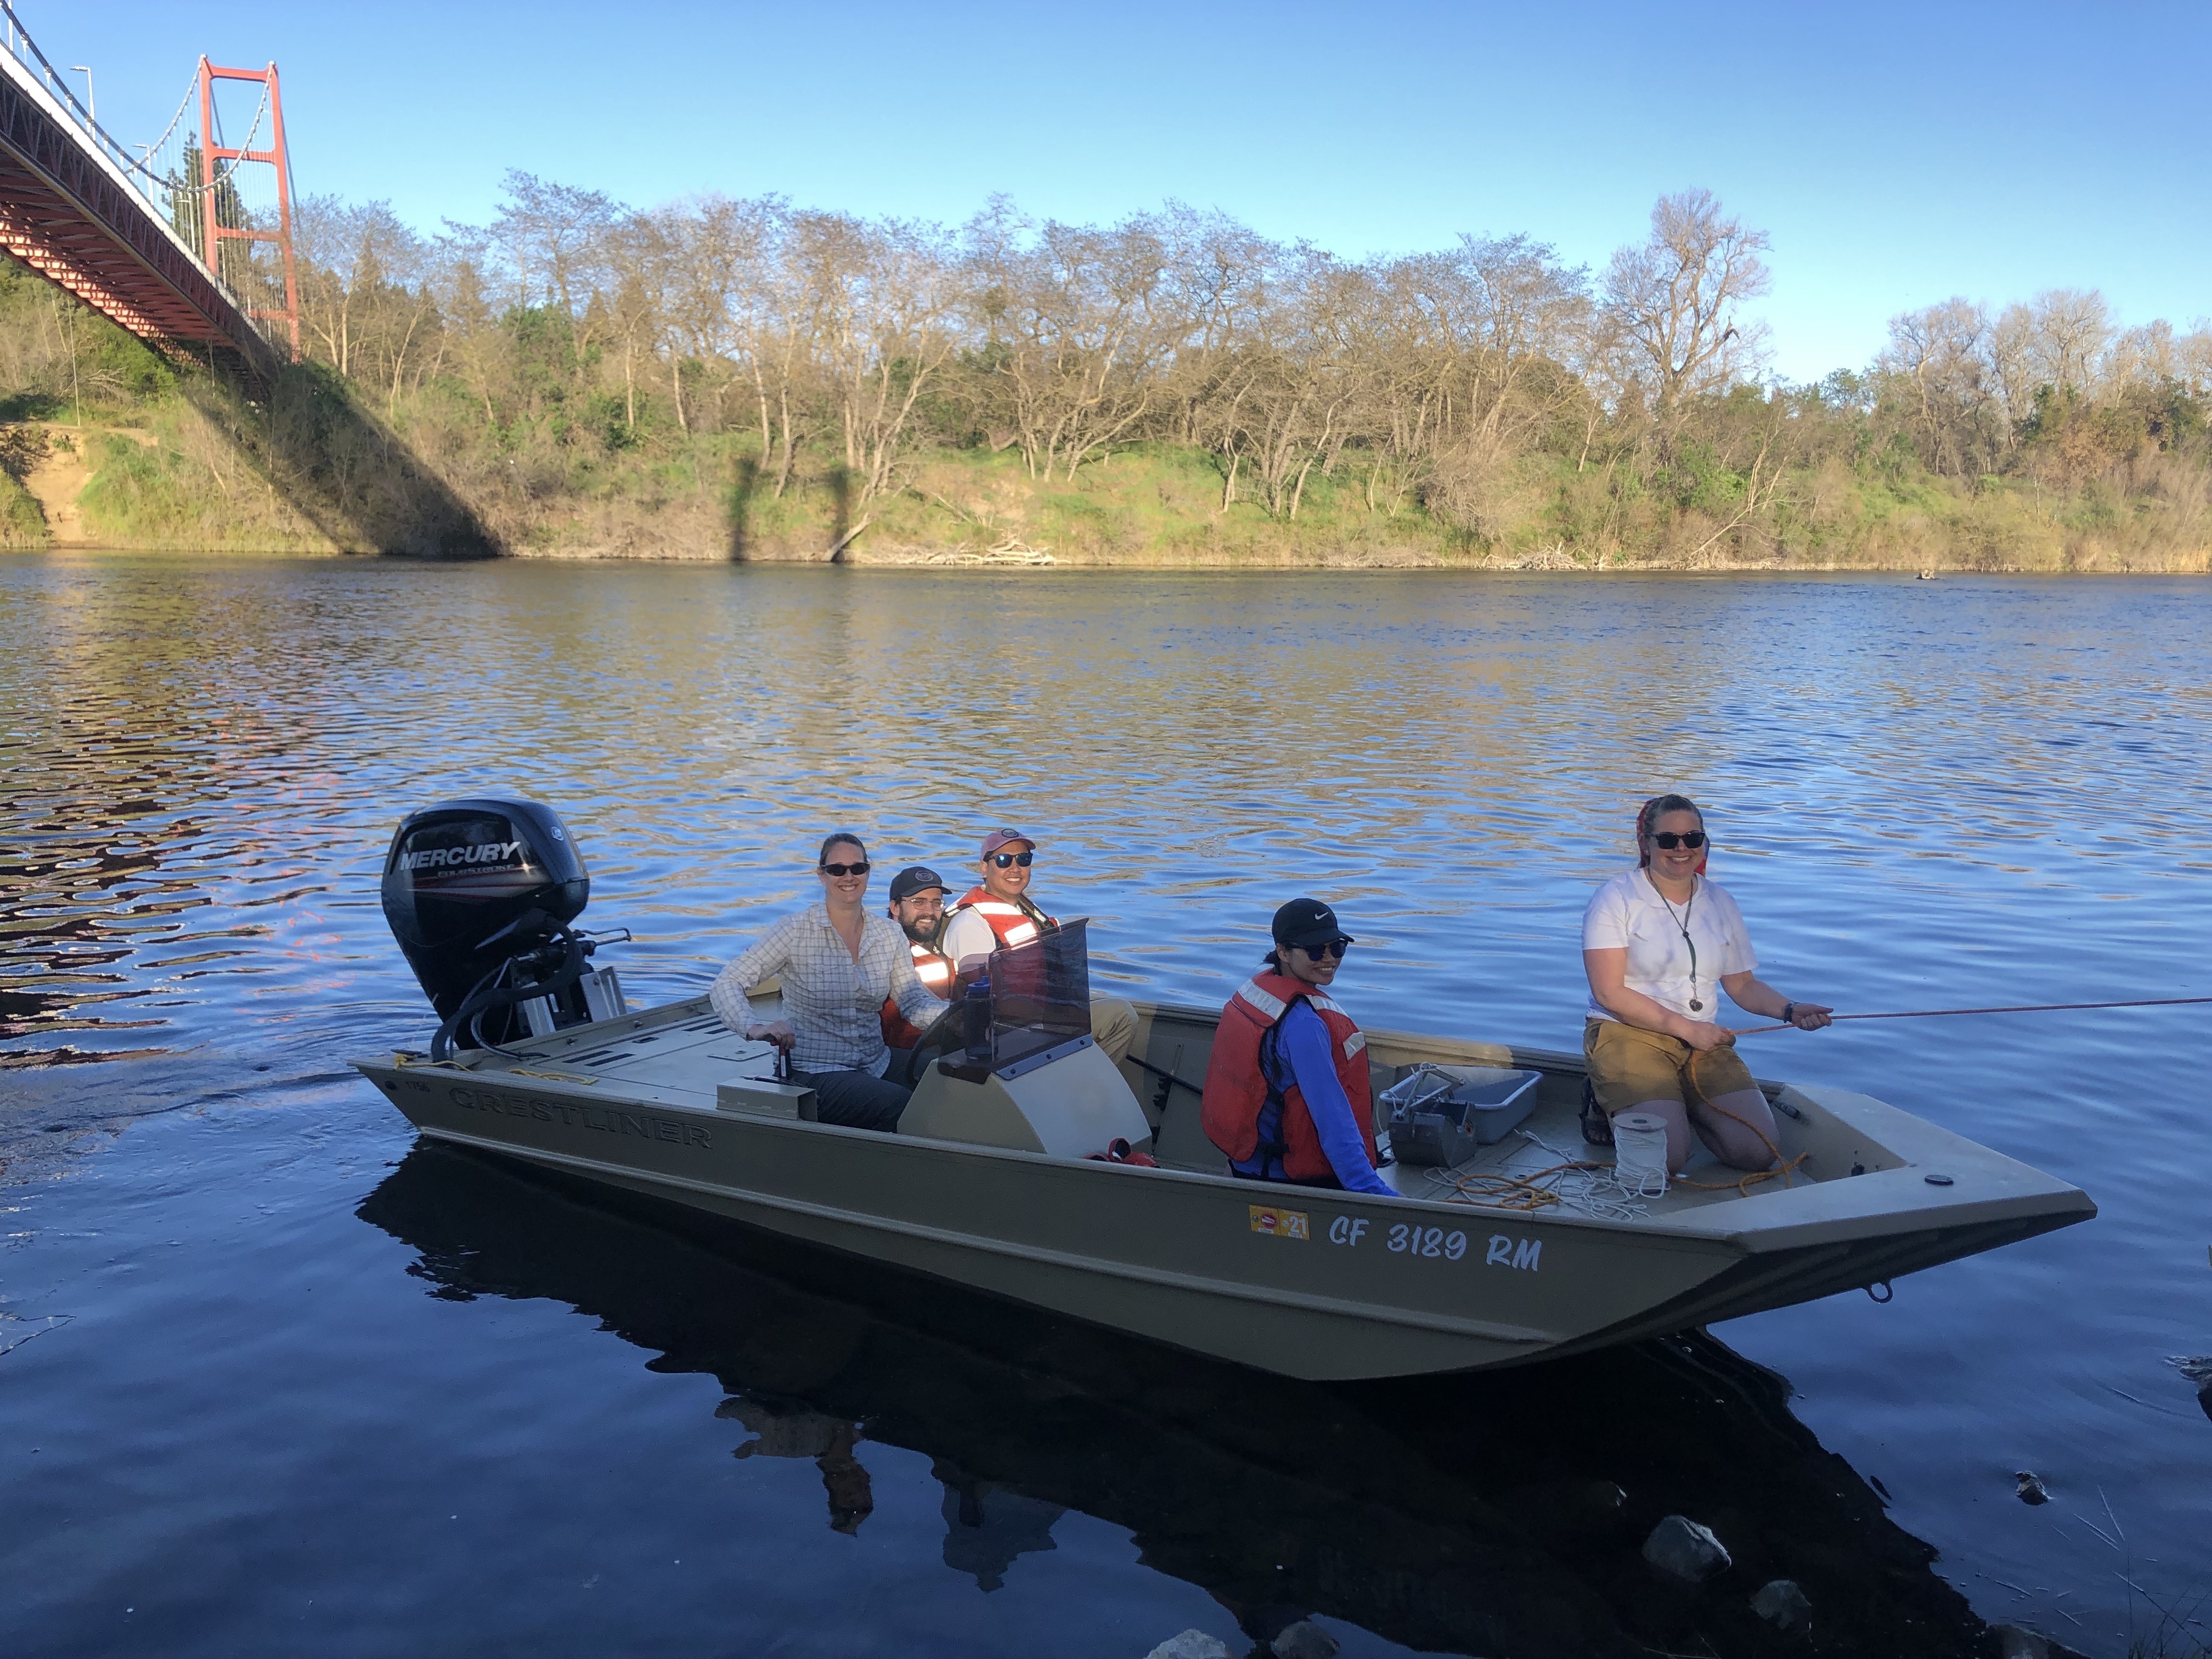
[275, 1377]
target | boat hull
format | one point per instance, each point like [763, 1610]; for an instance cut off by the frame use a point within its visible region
[1310, 1284]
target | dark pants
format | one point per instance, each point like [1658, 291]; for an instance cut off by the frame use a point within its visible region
[855, 1099]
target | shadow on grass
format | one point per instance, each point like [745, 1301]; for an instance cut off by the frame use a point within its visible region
[741, 507]
[32, 406]
[341, 467]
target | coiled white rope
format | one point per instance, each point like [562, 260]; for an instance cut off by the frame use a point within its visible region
[1639, 1152]
[1579, 1184]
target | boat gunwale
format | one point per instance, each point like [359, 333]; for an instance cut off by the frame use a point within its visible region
[1722, 1223]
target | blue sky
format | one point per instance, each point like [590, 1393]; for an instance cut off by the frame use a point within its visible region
[1896, 155]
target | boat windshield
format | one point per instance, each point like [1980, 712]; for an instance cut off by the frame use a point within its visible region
[1040, 993]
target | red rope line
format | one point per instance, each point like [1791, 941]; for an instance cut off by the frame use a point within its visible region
[2023, 1008]
[1784, 1168]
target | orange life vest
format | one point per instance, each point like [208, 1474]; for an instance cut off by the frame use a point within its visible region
[936, 971]
[1237, 1087]
[1014, 924]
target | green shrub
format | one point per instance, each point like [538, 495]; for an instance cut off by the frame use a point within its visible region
[22, 522]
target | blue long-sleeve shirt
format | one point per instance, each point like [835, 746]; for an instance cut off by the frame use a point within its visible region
[1298, 1052]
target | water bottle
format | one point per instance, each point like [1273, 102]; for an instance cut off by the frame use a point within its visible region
[976, 1021]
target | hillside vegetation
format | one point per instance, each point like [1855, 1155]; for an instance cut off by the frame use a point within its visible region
[724, 379]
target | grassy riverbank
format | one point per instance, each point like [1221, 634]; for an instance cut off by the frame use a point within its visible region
[166, 476]
[518, 424]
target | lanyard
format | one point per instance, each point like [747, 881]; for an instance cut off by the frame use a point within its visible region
[1682, 927]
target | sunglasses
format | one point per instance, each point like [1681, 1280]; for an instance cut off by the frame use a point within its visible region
[1005, 860]
[1668, 840]
[1335, 948]
[859, 869]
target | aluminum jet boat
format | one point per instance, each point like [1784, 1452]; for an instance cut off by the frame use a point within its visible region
[1003, 1176]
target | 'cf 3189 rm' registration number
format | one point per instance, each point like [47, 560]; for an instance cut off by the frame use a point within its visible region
[1406, 1238]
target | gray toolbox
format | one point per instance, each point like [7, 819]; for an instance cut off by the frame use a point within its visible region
[1440, 1114]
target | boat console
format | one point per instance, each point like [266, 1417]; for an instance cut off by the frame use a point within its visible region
[1012, 1063]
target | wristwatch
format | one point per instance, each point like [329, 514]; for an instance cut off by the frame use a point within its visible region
[1789, 1013]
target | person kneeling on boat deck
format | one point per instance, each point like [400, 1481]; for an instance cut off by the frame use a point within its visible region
[1287, 1095]
[918, 907]
[837, 963]
[997, 913]
[1659, 943]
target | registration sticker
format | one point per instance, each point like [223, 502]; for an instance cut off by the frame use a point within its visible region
[1279, 1224]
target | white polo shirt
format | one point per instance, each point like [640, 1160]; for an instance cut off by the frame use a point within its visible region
[1628, 911]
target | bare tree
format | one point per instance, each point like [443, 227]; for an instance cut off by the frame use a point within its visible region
[1077, 323]
[1297, 380]
[2192, 361]
[1939, 358]
[1678, 296]
[2012, 353]
[882, 305]
[476, 350]
[555, 241]
[2150, 355]
[2071, 328]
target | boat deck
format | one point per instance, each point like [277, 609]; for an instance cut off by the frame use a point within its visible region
[678, 1055]
[1557, 1129]
[672, 1056]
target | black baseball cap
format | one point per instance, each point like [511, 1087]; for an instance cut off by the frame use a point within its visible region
[913, 879]
[1306, 922]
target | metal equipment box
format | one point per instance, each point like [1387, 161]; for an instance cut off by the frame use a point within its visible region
[1441, 1113]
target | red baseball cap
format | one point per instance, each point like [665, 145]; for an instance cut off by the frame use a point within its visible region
[998, 838]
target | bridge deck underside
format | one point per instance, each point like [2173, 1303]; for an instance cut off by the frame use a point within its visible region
[69, 218]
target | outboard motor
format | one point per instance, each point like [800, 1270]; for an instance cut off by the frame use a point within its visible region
[480, 895]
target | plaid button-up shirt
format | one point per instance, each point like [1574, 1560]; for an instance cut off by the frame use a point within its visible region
[833, 1002]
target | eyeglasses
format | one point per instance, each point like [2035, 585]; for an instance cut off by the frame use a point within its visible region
[1334, 948]
[1667, 840]
[1005, 859]
[859, 869]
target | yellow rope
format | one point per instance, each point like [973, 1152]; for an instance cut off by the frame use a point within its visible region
[1751, 1178]
[1510, 1192]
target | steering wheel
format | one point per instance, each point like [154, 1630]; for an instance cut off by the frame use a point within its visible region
[942, 1037]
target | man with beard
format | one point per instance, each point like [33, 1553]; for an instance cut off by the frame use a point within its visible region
[918, 906]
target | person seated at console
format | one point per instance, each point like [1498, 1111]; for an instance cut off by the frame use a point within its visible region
[837, 963]
[998, 911]
[1288, 1092]
[1660, 943]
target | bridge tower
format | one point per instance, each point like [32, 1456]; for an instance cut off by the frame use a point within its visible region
[214, 233]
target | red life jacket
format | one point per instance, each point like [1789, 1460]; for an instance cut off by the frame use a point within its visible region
[936, 972]
[1237, 1089]
[1012, 923]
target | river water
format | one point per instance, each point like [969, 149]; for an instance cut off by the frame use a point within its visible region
[278, 1377]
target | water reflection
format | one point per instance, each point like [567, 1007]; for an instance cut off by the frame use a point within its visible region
[1499, 1515]
[786, 1432]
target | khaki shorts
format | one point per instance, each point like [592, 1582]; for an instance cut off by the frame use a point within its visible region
[1629, 1065]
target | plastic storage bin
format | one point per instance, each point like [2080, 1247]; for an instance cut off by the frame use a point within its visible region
[1441, 1113]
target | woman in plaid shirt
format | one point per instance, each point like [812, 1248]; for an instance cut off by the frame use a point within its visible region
[837, 962]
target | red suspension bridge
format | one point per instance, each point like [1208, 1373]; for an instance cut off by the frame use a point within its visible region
[165, 241]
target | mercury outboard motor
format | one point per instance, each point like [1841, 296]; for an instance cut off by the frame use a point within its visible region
[480, 895]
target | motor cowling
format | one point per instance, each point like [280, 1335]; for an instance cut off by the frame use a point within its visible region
[480, 894]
